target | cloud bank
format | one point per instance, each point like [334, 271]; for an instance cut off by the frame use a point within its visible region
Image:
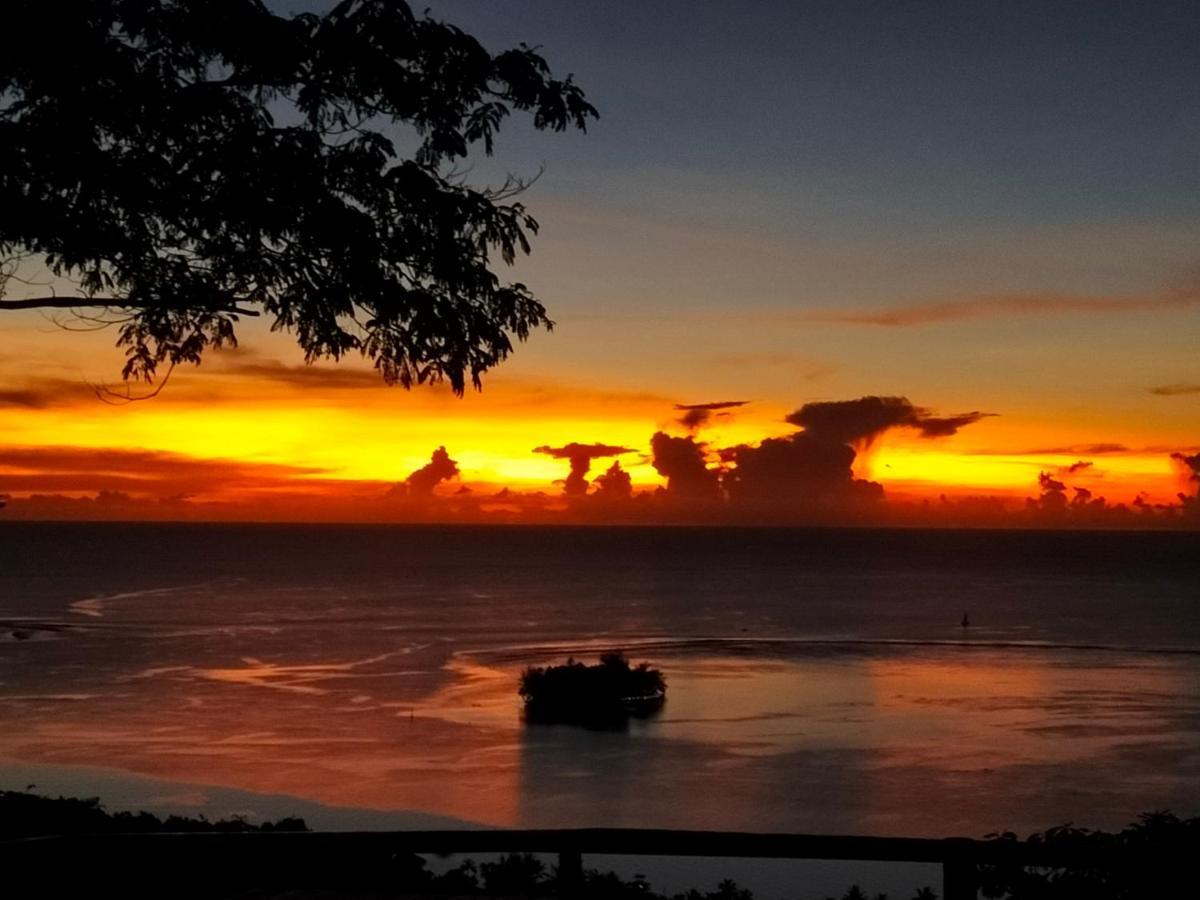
[805, 477]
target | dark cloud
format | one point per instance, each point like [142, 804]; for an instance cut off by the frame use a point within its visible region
[304, 376]
[808, 369]
[681, 460]
[580, 457]
[1065, 450]
[44, 393]
[65, 469]
[934, 426]
[1175, 390]
[1052, 506]
[24, 399]
[439, 468]
[860, 421]
[1101, 449]
[615, 484]
[1018, 305]
[1048, 482]
[1191, 464]
[1053, 497]
[811, 472]
[1076, 467]
[697, 415]
[796, 473]
[1190, 501]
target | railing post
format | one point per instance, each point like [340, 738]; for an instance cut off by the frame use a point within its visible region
[570, 873]
[960, 880]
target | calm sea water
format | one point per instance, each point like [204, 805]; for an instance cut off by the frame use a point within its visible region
[818, 680]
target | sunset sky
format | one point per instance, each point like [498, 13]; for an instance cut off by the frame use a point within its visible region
[980, 207]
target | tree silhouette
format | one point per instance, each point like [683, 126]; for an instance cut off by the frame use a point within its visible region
[184, 163]
[604, 695]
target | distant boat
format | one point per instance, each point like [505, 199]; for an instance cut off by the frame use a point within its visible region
[966, 621]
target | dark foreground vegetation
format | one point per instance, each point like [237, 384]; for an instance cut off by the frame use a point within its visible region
[607, 694]
[135, 855]
[1153, 858]
[524, 875]
[29, 815]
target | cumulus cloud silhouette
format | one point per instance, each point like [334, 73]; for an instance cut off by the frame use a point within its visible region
[697, 415]
[615, 484]
[1048, 482]
[580, 457]
[813, 469]
[859, 422]
[439, 468]
[1191, 465]
[681, 460]
[796, 472]
[1054, 494]
[1191, 462]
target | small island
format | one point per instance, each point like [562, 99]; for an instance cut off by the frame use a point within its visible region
[605, 695]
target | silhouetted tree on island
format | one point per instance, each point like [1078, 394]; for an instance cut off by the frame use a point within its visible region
[185, 163]
[604, 695]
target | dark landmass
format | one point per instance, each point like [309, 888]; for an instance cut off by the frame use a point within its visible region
[605, 695]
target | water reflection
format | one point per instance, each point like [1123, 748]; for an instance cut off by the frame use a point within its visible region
[767, 735]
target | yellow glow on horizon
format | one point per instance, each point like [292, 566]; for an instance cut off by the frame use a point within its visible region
[385, 442]
[1117, 475]
[352, 431]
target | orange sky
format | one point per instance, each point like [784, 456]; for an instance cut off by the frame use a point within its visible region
[254, 433]
[974, 208]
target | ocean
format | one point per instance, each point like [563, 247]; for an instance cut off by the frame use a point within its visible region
[818, 680]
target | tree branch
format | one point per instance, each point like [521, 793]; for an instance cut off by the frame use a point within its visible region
[94, 303]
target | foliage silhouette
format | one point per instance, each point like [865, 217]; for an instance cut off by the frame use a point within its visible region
[187, 163]
[29, 815]
[1150, 858]
[513, 874]
[525, 876]
[604, 695]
